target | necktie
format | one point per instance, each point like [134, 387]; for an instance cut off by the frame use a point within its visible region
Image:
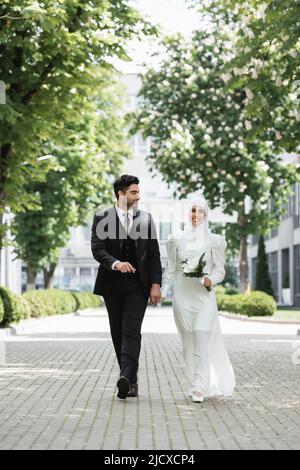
[126, 222]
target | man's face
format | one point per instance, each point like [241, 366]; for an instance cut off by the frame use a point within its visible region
[131, 196]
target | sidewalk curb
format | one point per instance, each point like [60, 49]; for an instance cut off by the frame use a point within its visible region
[234, 316]
[24, 325]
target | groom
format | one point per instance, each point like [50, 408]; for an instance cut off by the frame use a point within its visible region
[124, 242]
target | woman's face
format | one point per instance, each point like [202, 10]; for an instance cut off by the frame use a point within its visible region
[197, 215]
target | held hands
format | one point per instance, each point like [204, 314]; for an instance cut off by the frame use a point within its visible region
[155, 295]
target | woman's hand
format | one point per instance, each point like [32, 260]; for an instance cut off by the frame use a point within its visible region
[207, 282]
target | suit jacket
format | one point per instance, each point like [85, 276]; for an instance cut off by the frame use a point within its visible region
[106, 243]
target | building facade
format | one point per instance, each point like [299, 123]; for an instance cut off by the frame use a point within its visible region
[283, 253]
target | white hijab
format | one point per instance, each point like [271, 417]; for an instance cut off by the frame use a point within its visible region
[196, 236]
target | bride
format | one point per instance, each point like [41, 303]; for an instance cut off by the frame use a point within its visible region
[208, 368]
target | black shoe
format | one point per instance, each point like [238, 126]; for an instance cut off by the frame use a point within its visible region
[123, 385]
[133, 392]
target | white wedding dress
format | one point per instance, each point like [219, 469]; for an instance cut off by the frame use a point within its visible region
[207, 364]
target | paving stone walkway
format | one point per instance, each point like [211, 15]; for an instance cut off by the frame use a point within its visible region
[57, 389]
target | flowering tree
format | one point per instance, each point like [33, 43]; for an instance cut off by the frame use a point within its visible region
[265, 63]
[200, 139]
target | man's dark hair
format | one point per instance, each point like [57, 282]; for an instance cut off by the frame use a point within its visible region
[123, 182]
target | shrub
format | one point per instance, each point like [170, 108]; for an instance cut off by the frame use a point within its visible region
[45, 302]
[86, 300]
[255, 303]
[14, 308]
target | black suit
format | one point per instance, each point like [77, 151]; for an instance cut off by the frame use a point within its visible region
[126, 294]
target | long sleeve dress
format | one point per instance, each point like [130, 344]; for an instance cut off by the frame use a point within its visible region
[207, 364]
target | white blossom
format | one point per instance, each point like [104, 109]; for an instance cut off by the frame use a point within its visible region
[293, 53]
[249, 94]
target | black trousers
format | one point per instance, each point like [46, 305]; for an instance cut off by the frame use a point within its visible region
[126, 306]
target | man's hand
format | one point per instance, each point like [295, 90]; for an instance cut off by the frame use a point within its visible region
[125, 267]
[155, 294]
[207, 282]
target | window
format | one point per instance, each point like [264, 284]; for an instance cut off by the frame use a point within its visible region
[69, 274]
[297, 274]
[285, 268]
[273, 270]
[254, 239]
[164, 230]
[84, 272]
[296, 205]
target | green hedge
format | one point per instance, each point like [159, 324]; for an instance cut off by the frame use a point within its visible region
[256, 303]
[86, 300]
[48, 302]
[55, 302]
[15, 308]
[42, 303]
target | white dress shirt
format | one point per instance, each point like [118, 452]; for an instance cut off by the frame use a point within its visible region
[121, 215]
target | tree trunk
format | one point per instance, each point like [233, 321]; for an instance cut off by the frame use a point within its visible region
[48, 275]
[243, 258]
[31, 275]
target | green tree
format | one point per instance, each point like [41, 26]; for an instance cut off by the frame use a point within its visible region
[263, 280]
[199, 139]
[50, 56]
[265, 63]
[78, 181]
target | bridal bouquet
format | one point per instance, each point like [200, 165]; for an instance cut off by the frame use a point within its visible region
[194, 267]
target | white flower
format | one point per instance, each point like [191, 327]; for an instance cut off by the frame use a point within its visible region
[249, 33]
[249, 94]
[293, 53]
[248, 125]
[191, 265]
[226, 77]
[188, 68]
[278, 81]
[208, 164]
[261, 11]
